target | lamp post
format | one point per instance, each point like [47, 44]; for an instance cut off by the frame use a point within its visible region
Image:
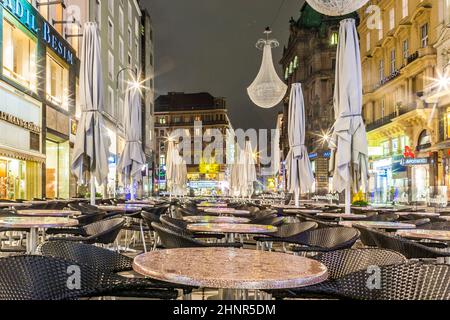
[118, 92]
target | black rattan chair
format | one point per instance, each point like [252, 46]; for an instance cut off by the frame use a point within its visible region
[289, 230]
[171, 239]
[101, 232]
[339, 264]
[410, 281]
[409, 248]
[325, 240]
[49, 278]
[180, 226]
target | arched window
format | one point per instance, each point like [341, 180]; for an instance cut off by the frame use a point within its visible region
[424, 140]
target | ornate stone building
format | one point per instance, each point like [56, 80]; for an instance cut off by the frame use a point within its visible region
[399, 71]
[309, 58]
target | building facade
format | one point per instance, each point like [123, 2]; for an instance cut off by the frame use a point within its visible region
[399, 61]
[38, 94]
[309, 58]
[182, 111]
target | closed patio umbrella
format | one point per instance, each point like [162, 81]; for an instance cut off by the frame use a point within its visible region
[300, 174]
[132, 158]
[250, 169]
[349, 160]
[176, 171]
[91, 148]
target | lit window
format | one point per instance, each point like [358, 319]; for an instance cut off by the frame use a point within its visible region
[424, 35]
[19, 55]
[57, 82]
[334, 38]
[296, 62]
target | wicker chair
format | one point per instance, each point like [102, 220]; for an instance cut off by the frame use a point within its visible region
[171, 239]
[180, 226]
[289, 230]
[47, 278]
[100, 258]
[445, 225]
[409, 248]
[325, 240]
[339, 264]
[411, 281]
[101, 232]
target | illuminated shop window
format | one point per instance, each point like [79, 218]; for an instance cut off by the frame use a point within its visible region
[334, 38]
[57, 82]
[19, 55]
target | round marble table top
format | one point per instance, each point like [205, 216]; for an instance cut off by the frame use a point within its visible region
[419, 214]
[305, 211]
[135, 205]
[341, 216]
[227, 211]
[214, 219]
[440, 235]
[287, 206]
[231, 228]
[125, 208]
[48, 213]
[212, 205]
[37, 222]
[140, 202]
[378, 224]
[14, 205]
[225, 268]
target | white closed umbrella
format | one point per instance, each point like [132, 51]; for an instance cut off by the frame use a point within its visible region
[132, 158]
[349, 160]
[91, 148]
[176, 171]
[300, 174]
[249, 168]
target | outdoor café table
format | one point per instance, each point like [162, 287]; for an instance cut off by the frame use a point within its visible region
[227, 211]
[34, 224]
[140, 202]
[137, 205]
[13, 205]
[48, 213]
[212, 204]
[230, 229]
[378, 225]
[419, 234]
[232, 271]
[342, 216]
[299, 211]
[124, 209]
[214, 219]
[419, 214]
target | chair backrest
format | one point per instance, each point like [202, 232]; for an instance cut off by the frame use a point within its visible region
[410, 281]
[410, 249]
[91, 255]
[444, 225]
[172, 223]
[385, 217]
[272, 221]
[294, 229]
[329, 238]
[171, 239]
[343, 262]
[149, 217]
[86, 219]
[88, 207]
[104, 231]
[45, 278]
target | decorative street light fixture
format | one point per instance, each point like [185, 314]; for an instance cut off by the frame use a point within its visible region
[268, 89]
[336, 7]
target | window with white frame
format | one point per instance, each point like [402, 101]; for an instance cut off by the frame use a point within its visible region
[405, 10]
[424, 35]
[110, 33]
[111, 65]
[381, 70]
[121, 21]
[392, 18]
[393, 61]
[121, 51]
[368, 41]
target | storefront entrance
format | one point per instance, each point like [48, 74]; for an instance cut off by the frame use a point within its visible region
[18, 179]
[57, 170]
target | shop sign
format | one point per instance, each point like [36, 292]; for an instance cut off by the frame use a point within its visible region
[28, 16]
[19, 122]
[414, 162]
[315, 155]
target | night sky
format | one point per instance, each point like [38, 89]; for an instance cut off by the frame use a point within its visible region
[209, 45]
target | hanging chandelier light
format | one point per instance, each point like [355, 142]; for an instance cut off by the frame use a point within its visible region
[336, 7]
[268, 89]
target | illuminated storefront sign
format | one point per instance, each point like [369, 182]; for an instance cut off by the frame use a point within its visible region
[31, 19]
[19, 122]
[415, 161]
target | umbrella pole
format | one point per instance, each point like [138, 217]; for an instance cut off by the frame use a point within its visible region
[297, 197]
[93, 190]
[132, 195]
[348, 198]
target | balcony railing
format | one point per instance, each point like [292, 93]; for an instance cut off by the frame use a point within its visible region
[388, 119]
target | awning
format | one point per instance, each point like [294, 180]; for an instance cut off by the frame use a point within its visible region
[21, 155]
